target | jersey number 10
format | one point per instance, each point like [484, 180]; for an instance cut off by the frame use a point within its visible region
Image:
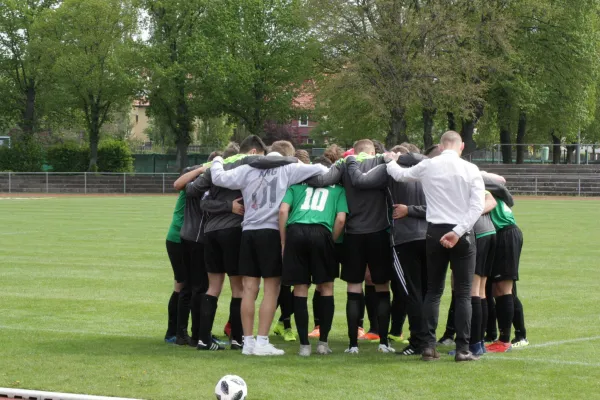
[315, 199]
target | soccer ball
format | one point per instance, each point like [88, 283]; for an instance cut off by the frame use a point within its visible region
[231, 387]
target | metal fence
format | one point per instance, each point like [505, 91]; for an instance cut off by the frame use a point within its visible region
[86, 182]
[537, 184]
[554, 184]
[537, 154]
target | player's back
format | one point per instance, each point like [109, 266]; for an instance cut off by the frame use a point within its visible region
[318, 206]
[369, 208]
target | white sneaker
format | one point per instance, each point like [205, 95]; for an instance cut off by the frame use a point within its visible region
[385, 349]
[351, 350]
[267, 350]
[305, 350]
[249, 346]
[323, 348]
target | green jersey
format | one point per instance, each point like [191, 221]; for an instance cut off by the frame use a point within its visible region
[502, 215]
[177, 222]
[315, 205]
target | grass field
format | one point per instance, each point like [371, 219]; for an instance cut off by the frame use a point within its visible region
[85, 282]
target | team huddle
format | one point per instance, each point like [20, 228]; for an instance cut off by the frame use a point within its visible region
[394, 221]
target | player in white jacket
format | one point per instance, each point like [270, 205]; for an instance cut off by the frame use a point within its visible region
[263, 184]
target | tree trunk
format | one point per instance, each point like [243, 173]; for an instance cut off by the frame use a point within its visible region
[521, 130]
[468, 129]
[182, 155]
[504, 122]
[397, 133]
[555, 148]
[451, 121]
[570, 150]
[428, 114]
[28, 124]
[94, 128]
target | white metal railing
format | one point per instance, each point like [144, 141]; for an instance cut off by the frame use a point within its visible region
[86, 182]
[573, 184]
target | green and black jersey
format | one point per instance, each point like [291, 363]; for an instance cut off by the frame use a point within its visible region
[315, 205]
[177, 221]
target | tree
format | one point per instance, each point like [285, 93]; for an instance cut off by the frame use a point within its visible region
[214, 132]
[95, 59]
[260, 55]
[21, 74]
[175, 41]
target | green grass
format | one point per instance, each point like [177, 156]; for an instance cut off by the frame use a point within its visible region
[85, 283]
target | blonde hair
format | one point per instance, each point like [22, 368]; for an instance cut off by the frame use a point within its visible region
[284, 148]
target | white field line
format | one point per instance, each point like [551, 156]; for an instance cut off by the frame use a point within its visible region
[558, 342]
[77, 332]
[25, 198]
[543, 360]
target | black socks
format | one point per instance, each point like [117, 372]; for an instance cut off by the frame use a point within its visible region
[361, 318]
[505, 309]
[183, 311]
[383, 316]
[286, 303]
[475, 320]
[172, 312]
[352, 316]
[371, 302]
[208, 309]
[316, 302]
[484, 317]
[235, 317]
[327, 310]
[519, 319]
[301, 317]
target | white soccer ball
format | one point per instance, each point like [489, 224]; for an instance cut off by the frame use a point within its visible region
[231, 387]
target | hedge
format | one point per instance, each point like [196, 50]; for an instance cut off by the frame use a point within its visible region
[23, 156]
[68, 157]
[114, 156]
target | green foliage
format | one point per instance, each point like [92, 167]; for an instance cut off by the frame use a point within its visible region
[93, 57]
[25, 155]
[114, 156]
[214, 132]
[68, 157]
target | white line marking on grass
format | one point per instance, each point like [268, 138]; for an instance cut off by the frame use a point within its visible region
[77, 332]
[543, 360]
[558, 342]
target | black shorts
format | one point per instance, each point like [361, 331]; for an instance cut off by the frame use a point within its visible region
[194, 270]
[222, 251]
[260, 253]
[175, 252]
[309, 253]
[509, 242]
[372, 249]
[486, 249]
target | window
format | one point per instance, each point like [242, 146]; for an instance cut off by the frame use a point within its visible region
[310, 141]
[303, 120]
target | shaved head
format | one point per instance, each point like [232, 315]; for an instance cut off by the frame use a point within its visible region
[364, 146]
[451, 140]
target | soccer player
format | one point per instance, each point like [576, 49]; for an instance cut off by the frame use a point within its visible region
[193, 274]
[263, 183]
[223, 234]
[454, 192]
[175, 252]
[409, 231]
[315, 219]
[366, 242]
[505, 272]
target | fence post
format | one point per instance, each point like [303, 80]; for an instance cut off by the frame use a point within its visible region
[163, 182]
[124, 183]
[579, 187]
[536, 185]
[10, 182]
[46, 181]
[85, 182]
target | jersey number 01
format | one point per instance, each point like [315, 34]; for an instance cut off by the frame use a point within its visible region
[315, 199]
